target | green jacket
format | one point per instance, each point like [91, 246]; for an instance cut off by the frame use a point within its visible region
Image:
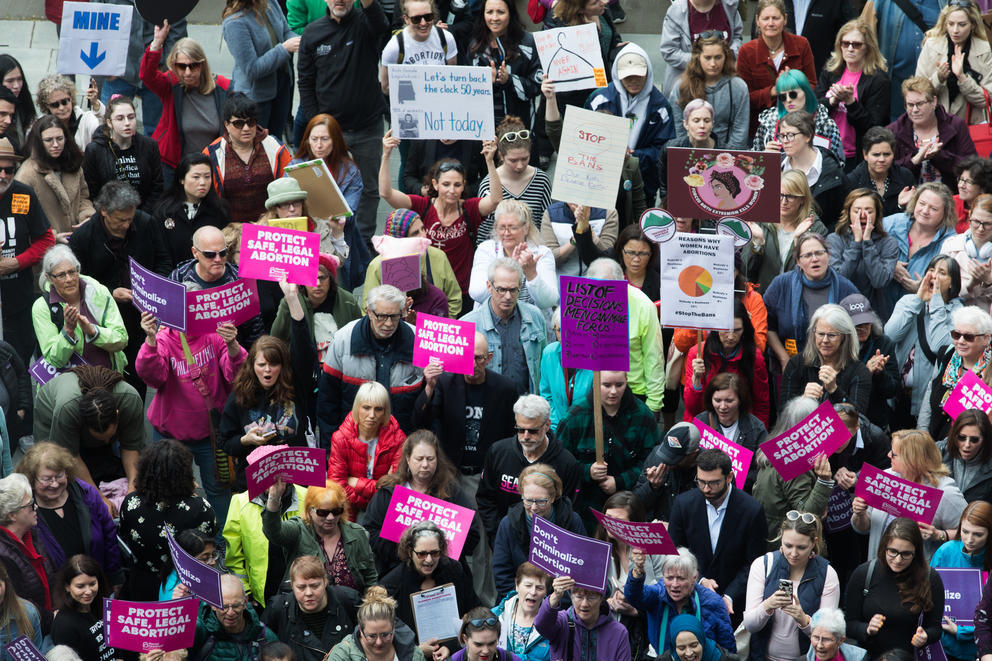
[442, 276]
[345, 309]
[242, 646]
[299, 538]
[57, 345]
[405, 646]
[302, 13]
[805, 493]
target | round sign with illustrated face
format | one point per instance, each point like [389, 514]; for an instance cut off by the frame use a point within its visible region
[156, 11]
[658, 225]
[736, 229]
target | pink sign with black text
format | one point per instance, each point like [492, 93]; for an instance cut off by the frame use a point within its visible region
[141, 626]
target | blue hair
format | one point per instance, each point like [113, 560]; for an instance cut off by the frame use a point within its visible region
[795, 79]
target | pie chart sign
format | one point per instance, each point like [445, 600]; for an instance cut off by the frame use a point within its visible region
[695, 281]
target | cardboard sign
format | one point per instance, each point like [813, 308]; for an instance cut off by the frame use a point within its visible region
[94, 39]
[962, 592]
[652, 538]
[794, 452]
[144, 626]
[838, 510]
[590, 158]
[206, 309]
[561, 552]
[42, 371]
[299, 224]
[22, 649]
[201, 579]
[159, 296]
[306, 467]
[897, 496]
[275, 253]
[719, 183]
[697, 282]
[407, 506]
[740, 456]
[402, 272]
[594, 324]
[324, 197]
[428, 102]
[572, 57]
[969, 393]
[448, 340]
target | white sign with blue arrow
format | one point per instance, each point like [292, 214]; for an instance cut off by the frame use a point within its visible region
[94, 38]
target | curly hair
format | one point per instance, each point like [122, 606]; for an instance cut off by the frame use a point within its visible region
[71, 158]
[52, 456]
[98, 405]
[410, 536]
[80, 565]
[56, 82]
[445, 478]
[247, 389]
[165, 472]
[692, 84]
[913, 583]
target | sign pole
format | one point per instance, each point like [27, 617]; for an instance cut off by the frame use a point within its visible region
[597, 414]
[699, 343]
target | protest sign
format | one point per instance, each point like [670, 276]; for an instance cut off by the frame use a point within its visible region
[201, 579]
[795, 452]
[276, 253]
[159, 296]
[590, 158]
[962, 592]
[448, 340]
[143, 626]
[428, 102]
[402, 272]
[697, 282]
[561, 552]
[739, 455]
[572, 57]
[652, 538]
[838, 510]
[717, 183]
[932, 652]
[42, 371]
[324, 197]
[156, 11]
[306, 467]
[94, 39]
[22, 649]
[299, 224]
[897, 496]
[969, 393]
[594, 324]
[658, 225]
[206, 309]
[407, 506]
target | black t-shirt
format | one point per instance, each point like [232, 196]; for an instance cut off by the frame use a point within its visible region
[22, 221]
[65, 528]
[474, 399]
[83, 632]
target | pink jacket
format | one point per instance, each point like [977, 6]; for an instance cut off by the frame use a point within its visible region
[178, 409]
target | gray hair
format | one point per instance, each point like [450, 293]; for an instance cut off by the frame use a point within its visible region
[520, 211]
[533, 407]
[230, 580]
[792, 414]
[13, 489]
[839, 319]
[385, 293]
[117, 196]
[506, 264]
[831, 619]
[62, 653]
[974, 316]
[53, 257]
[683, 563]
[604, 268]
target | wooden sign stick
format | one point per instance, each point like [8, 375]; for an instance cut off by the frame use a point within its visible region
[597, 414]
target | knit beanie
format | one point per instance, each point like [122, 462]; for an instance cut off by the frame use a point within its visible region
[399, 221]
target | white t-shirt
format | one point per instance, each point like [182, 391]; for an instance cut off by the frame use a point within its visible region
[429, 51]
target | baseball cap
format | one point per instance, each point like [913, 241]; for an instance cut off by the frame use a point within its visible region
[859, 308]
[681, 440]
[631, 64]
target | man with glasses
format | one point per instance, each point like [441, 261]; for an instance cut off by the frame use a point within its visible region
[377, 347]
[231, 632]
[724, 528]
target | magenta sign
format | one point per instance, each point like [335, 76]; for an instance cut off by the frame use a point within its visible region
[278, 253]
[969, 393]
[449, 341]
[407, 506]
[739, 455]
[206, 309]
[794, 452]
[142, 626]
[306, 467]
[897, 496]
[652, 538]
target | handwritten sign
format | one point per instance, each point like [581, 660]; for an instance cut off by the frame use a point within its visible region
[740, 456]
[159, 296]
[94, 39]
[407, 506]
[42, 371]
[277, 253]
[448, 340]
[969, 393]
[590, 158]
[201, 579]
[572, 57]
[142, 626]
[206, 309]
[561, 552]
[594, 324]
[838, 510]
[897, 496]
[652, 538]
[697, 282]
[794, 452]
[428, 102]
[402, 272]
[718, 183]
[306, 467]
[22, 649]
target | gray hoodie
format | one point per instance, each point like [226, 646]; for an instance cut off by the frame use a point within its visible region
[732, 105]
[676, 42]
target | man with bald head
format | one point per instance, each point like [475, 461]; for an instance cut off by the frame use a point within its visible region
[232, 632]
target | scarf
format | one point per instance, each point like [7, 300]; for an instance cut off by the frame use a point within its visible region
[955, 368]
[952, 81]
[797, 306]
[692, 625]
[26, 545]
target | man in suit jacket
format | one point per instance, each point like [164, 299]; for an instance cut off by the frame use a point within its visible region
[723, 526]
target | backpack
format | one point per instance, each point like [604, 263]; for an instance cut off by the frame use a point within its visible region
[401, 42]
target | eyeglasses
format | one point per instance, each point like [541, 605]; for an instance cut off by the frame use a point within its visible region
[816, 638]
[967, 337]
[484, 622]
[384, 636]
[30, 504]
[813, 254]
[786, 197]
[533, 431]
[422, 18]
[241, 123]
[55, 479]
[188, 66]
[436, 553]
[966, 181]
[856, 45]
[535, 502]
[979, 225]
[503, 291]
[917, 106]
[209, 558]
[213, 254]
[482, 358]
[448, 166]
[709, 484]
[790, 95]
[829, 337]
[585, 596]
[795, 515]
[710, 34]
[971, 439]
[236, 606]
[61, 102]
[513, 136]
[322, 513]
[638, 254]
[385, 317]
[59, 139]
[892, 554]
[62, 275]
[506, 229]
[788, 137]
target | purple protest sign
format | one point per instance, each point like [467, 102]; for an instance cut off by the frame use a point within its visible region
[206, 309]
[144, 626]
[897, 496]
[962, 592]
[306, 467]
[42, 371]
[838, 510]
[22, 649]
[402, 272]
[594, 324]
[164, 298]
[969, 393]
[652, 538]
[278, 253]
[794, 452]
[739, 455]
[201, 579]
[932, 652]
[448, 340]
[561, 552]
[407, 506]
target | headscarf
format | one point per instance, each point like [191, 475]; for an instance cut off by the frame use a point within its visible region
[690, 623]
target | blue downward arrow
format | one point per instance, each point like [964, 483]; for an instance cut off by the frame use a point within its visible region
[92, 59]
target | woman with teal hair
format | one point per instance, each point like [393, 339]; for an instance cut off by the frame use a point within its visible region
[688, 642]
[795, 93]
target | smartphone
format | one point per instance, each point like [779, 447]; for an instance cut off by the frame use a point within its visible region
[785, 585]
[272, 432]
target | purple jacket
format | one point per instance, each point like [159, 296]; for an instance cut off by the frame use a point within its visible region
[953, 132]
[606, 641]
[99, 532]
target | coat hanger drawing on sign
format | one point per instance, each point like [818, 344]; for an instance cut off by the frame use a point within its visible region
[561, 48]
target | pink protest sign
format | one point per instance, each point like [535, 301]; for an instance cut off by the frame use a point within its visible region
[970, 393]
[142, 626]
[206, 309]
[402, 272]
[450, 341]
[739, 455]
[794, 452]
[306, 467]
[897, 496]
[652, 538]
[277, 253]
[407, 506]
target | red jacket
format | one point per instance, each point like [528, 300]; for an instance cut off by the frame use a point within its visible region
[694, 404]
[756, 66]
[349, 458]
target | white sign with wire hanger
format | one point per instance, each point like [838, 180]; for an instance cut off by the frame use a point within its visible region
[571, 57]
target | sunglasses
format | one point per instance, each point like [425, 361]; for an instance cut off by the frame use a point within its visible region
[710, 34]
[961, 4]
[856, 45]
[428, 554]
[448, 166]
[188, 66]
[964, 437]
[8, 169]
[791, 95]
[322, 513]
[967, 337]
[213, 254]
[484, 622]
[795, 515]
[241, 123]
[422, 18]
[61, 102]
[513, 136]
[533, 431]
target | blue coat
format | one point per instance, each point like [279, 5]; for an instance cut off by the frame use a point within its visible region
[533, 337]
[257, 63]
[897, 226]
